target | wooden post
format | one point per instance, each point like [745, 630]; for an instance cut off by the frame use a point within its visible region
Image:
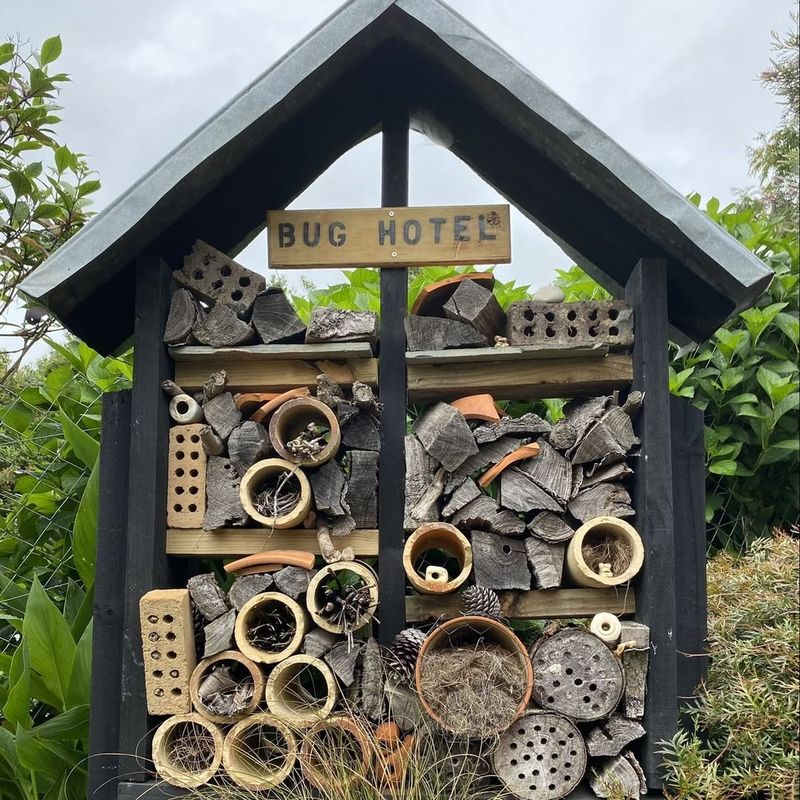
[392, 386]
[146, 560]
[109, 610]
[689, 494]
[646, 291]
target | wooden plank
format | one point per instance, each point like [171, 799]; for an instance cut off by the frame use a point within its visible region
[392, 236]
[261, 375]
[688, 500]
[471, 355]
[212, 356]
[534, 604]
[229, 542]
[147, 790]
[646, 291]
[506, 380]
[109, 611]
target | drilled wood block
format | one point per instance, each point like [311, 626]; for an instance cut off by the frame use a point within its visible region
[186, 479]
[608, 322]
[168, 650]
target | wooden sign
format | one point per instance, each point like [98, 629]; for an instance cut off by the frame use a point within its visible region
[389, 237]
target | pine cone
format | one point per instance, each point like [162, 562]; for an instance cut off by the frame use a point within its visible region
[199, 625]
[481, 602]
[401, 658]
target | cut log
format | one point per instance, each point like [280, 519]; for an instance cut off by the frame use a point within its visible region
[546, 562]
[445, 435]
[603, 500]
[489, 453]
[619, 777]
[222, 414]
[223, 507]
[432, 297]
[215, 384]
[477, 406]
[528, 424]
[477, 306]
[342, 526]
[550, 471]
[430, 497]
[210, 600]
[293, 581]
[404, 707]
[218, 635]
[519, 493]
[420, 469]
[212, 444]
[361, 432]
[364, 397]
[550, 528]
[608, 473]
[484, 514]
[635, 646]
[274, 318]
[342, 659]
[328, 486]
[611, 736]
[171, 389]
[248, 443]
[499, 562]
[436, 333]
[579, 415]
[526, 452]
[563, 436]
[345, 411]
[577, 480]
[245, 587]
[362, 487]
[217, 279]
[183, 314]
[329, 324]
[611, 435]
[222, 328]
[318, 642]
[465, 493]
[371, 682]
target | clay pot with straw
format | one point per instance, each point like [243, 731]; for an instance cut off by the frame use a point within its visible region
[259, 752]
[187, 750]
[305, 431]
[276, 493]
[605, 551]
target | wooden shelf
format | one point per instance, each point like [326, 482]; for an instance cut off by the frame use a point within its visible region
[509, 378]
[272, 352]
[229, 542]
[550, 604]
[471, 355]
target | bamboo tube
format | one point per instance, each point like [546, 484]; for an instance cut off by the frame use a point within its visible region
[287, 693]
[322, 761]
[185, 410]
[249, 616]
[607, 627]
[187, 750]
[437, 536]
[293, 418]
[315, 603]
[251, 485]
[259, 752]
[206, 666]
[615, 530]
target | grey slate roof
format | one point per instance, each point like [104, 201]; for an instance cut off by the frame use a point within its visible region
[329, 92]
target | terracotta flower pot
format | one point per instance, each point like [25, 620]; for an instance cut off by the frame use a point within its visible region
[437, 536]
[292, 418]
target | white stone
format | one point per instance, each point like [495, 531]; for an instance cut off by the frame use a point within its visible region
[549, 294]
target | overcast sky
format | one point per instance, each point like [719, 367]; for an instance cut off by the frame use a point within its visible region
[675, 83]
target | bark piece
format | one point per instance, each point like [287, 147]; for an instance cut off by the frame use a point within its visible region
[546, 562]
[620, 776]
[293, 581]
[437, 333]
[245, 587]
[527, 425]
[633, 403]
[328, 485]
[420, 469]
[222, 414]
[611, 435]
[182, 318]
[218, 635]
[606, 473]
[635, 645]
[404, 707]
[222, 328]
[361, 432]
[171, 389]
[217, 279]
[489, 453]
[605, 499]
[550, 528]
[212, 444]
[611, 736]
[329, 392]
[364, 397]
[342, 526]
[318, 642]
[215, 384]
[579, 415]
[550, 471]
[335, 325]
[274, 318]
[329, 553]
[519, 493]
[223, 508]
[476, 306]
[371, 681]
[499, 562]
[484, 514]
[210, 600]
[362, 487]
[445, 435]
[342, 659]
[248, 443]
[465, 493]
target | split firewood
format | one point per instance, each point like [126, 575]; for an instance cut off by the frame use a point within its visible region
[577, 480]
[215, 384]
[246, 587]
[430, 497]
[519, 493]
[579, 415]
[371, 681]
[274, 318]
[223, 506]
[499, 562]
[361, 432]
[550, 527]
[633, 403]
[364, 397]
[528, 424]
[404, 706]
[420, 469]
[171, 389]
[328, 485]
[345, 411]
[330, 324]
[465, 493]
[489, 453]
[362, 487]
[248, 443]
[437, 333]
[550, 471]
[293, 581]
[318, 641]
[222, 415]
[445, 435]
[635, 661]
[603, 500]
[611, 736]
[609, 473]
[209, 599]
[483, 513]
[218, 635]
[328, 391]
[212, 444]
[619, 777]
[221, 327]
[611, 435]
[342, 525]
[477, 306]
[183, 314]
[546, 562]
[342, 659]
[326, 548]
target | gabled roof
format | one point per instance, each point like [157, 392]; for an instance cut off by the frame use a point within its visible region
[331, 91]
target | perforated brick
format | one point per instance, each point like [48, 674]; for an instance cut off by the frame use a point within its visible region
[186, 481]
[608, 322]
[168, 650]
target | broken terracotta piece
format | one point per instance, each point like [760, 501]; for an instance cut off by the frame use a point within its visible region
[526, 451]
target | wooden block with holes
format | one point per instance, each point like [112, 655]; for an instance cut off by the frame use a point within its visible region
[168, 650]
[186, 484]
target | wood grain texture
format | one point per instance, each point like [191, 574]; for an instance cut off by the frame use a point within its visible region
[214, 357]
[534, 604]
[230, 542]
[522, 378]
[469, 355]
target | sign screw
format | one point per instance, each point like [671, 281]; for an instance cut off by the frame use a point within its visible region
[394, 254]
[391, 213]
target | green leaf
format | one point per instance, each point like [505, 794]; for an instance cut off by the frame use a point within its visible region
[83, 445]
[84, 531]
[17, 709]
[72, 725]
[770, 381]
[790, 325]
[64, 158]
[725, 467]
[51, 50]
[6, 52]
[80, 681]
